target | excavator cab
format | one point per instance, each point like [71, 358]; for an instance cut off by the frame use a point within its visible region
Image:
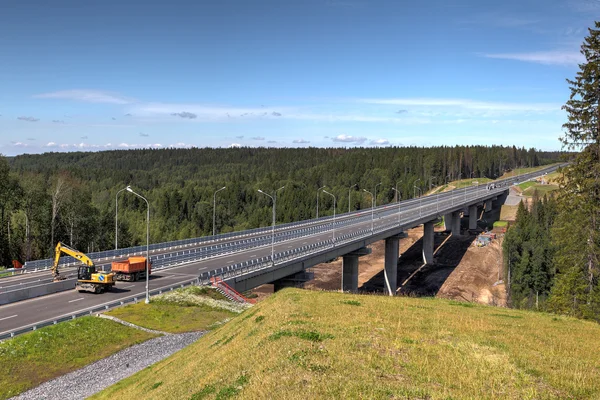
[85, 272]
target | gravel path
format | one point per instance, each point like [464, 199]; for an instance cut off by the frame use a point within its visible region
[103, 373]
[513, 198]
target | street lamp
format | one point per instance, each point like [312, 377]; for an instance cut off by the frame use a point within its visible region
[273, 224]
[334, 201]
[398, 194]
[130, 190]
[318, 190]
[420, 199]
[116, 217]
[215, 208]
[375, 198]
[372, 206]
[349, 189]
[415, 187]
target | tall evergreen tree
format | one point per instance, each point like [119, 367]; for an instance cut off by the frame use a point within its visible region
[579, 258]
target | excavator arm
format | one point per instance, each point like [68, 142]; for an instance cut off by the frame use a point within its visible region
[63, 248]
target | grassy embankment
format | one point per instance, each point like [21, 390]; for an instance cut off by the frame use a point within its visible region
[299, 344]
[39, 356]
[191, 309]
[36, 357]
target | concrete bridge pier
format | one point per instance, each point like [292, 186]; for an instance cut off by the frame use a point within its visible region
[473, 217]
[350, 269]
[456, 223]
[488, 205]
[391, 264]
[428, 242]
[448, 219]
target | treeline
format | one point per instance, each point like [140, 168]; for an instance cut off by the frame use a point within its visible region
[71, 196]
[528, 253]
[558, 246]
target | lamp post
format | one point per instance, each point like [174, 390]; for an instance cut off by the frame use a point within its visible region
[273, 224]
[420, 199]
[398, 194]
[318, 190]
[130, 190]
[334, 202]
[116, 217]
[415, 187]
[349, 189]
[372, 197]
[477, 183]
[375, 197]
[215, 208]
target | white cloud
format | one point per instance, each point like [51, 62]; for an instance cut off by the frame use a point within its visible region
[300, 141]
[555, 57]
[379, 142]
[88, 96]
[464, 103]
[51, 144]
[235, 145]
[349, 139]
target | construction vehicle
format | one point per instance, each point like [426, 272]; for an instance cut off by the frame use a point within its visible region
[131, 270]
[88, 279]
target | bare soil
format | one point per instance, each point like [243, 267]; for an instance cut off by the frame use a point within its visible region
[461, 271]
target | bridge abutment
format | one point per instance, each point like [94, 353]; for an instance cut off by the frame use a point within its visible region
[428, 242]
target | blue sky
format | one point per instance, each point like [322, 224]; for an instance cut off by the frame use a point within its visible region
[94, 75]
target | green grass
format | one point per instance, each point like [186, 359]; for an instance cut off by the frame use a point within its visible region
[183, 315]
[30, 359]
[525, 185]
[469, 182]
[313, 345]
[500, 224]
[541, 190]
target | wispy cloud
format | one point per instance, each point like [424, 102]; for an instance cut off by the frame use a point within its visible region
[464, 103]
[28, 119]
[272, 141]
[349, 139]
[185, 114]
[239, 137]
[30, 138]
[88, 96]
[554, 57]
[401, 111]
[257, 138]
[142, 134]
[84, 137]
[58, 121]
[300, 141]
[276, 114]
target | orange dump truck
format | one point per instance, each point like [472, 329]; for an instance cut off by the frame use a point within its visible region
[131, 269]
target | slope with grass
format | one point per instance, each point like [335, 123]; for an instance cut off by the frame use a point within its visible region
[35, 357]
[300, 344]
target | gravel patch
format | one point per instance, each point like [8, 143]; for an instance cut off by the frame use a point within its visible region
[108, 371]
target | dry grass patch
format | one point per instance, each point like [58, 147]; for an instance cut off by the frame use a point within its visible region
[299, 344]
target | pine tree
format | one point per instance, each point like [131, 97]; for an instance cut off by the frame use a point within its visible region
[578, 259]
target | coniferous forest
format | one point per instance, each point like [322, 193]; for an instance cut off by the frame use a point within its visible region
[70, 197]
[553, 252]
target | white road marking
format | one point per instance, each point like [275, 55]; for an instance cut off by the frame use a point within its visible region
[230, 261]
[125, 287]
[12, 316]
[253, 255]
[72, 301]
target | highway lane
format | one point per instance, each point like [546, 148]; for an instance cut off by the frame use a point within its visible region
[37, 310]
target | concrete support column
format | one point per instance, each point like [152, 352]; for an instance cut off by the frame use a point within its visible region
[428, 242]
[473, 216]
[350, 273]
[488, 205]
[456, 223]
[448, 222]
[391, 265]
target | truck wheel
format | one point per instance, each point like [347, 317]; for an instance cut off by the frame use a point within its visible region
[97, 289]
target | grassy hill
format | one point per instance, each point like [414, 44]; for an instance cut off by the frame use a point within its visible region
[302, 345]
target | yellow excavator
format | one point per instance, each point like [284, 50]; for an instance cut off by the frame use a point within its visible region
[88, 279]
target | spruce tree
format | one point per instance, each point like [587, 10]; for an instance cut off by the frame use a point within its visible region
[578, 260]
